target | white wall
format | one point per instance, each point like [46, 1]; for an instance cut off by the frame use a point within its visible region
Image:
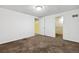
[70, 25]
[15, 25]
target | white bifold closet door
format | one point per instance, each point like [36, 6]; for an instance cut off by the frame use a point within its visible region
[42, 26]
[47, 26]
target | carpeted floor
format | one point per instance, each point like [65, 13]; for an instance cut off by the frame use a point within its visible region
[39, 44]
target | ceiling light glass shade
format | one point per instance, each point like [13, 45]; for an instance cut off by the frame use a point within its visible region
[38, 8]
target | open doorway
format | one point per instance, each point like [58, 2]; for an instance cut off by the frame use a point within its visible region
[36, 26]
[59, 30]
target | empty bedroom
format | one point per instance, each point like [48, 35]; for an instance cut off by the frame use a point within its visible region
[39, 28]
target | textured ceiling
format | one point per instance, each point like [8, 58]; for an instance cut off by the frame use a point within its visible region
[47, 10]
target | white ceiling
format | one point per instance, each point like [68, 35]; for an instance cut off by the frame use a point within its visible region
[47, 10]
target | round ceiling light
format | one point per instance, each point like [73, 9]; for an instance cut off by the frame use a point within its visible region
[38, 8]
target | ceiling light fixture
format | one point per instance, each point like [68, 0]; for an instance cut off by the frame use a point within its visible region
[39, 8]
